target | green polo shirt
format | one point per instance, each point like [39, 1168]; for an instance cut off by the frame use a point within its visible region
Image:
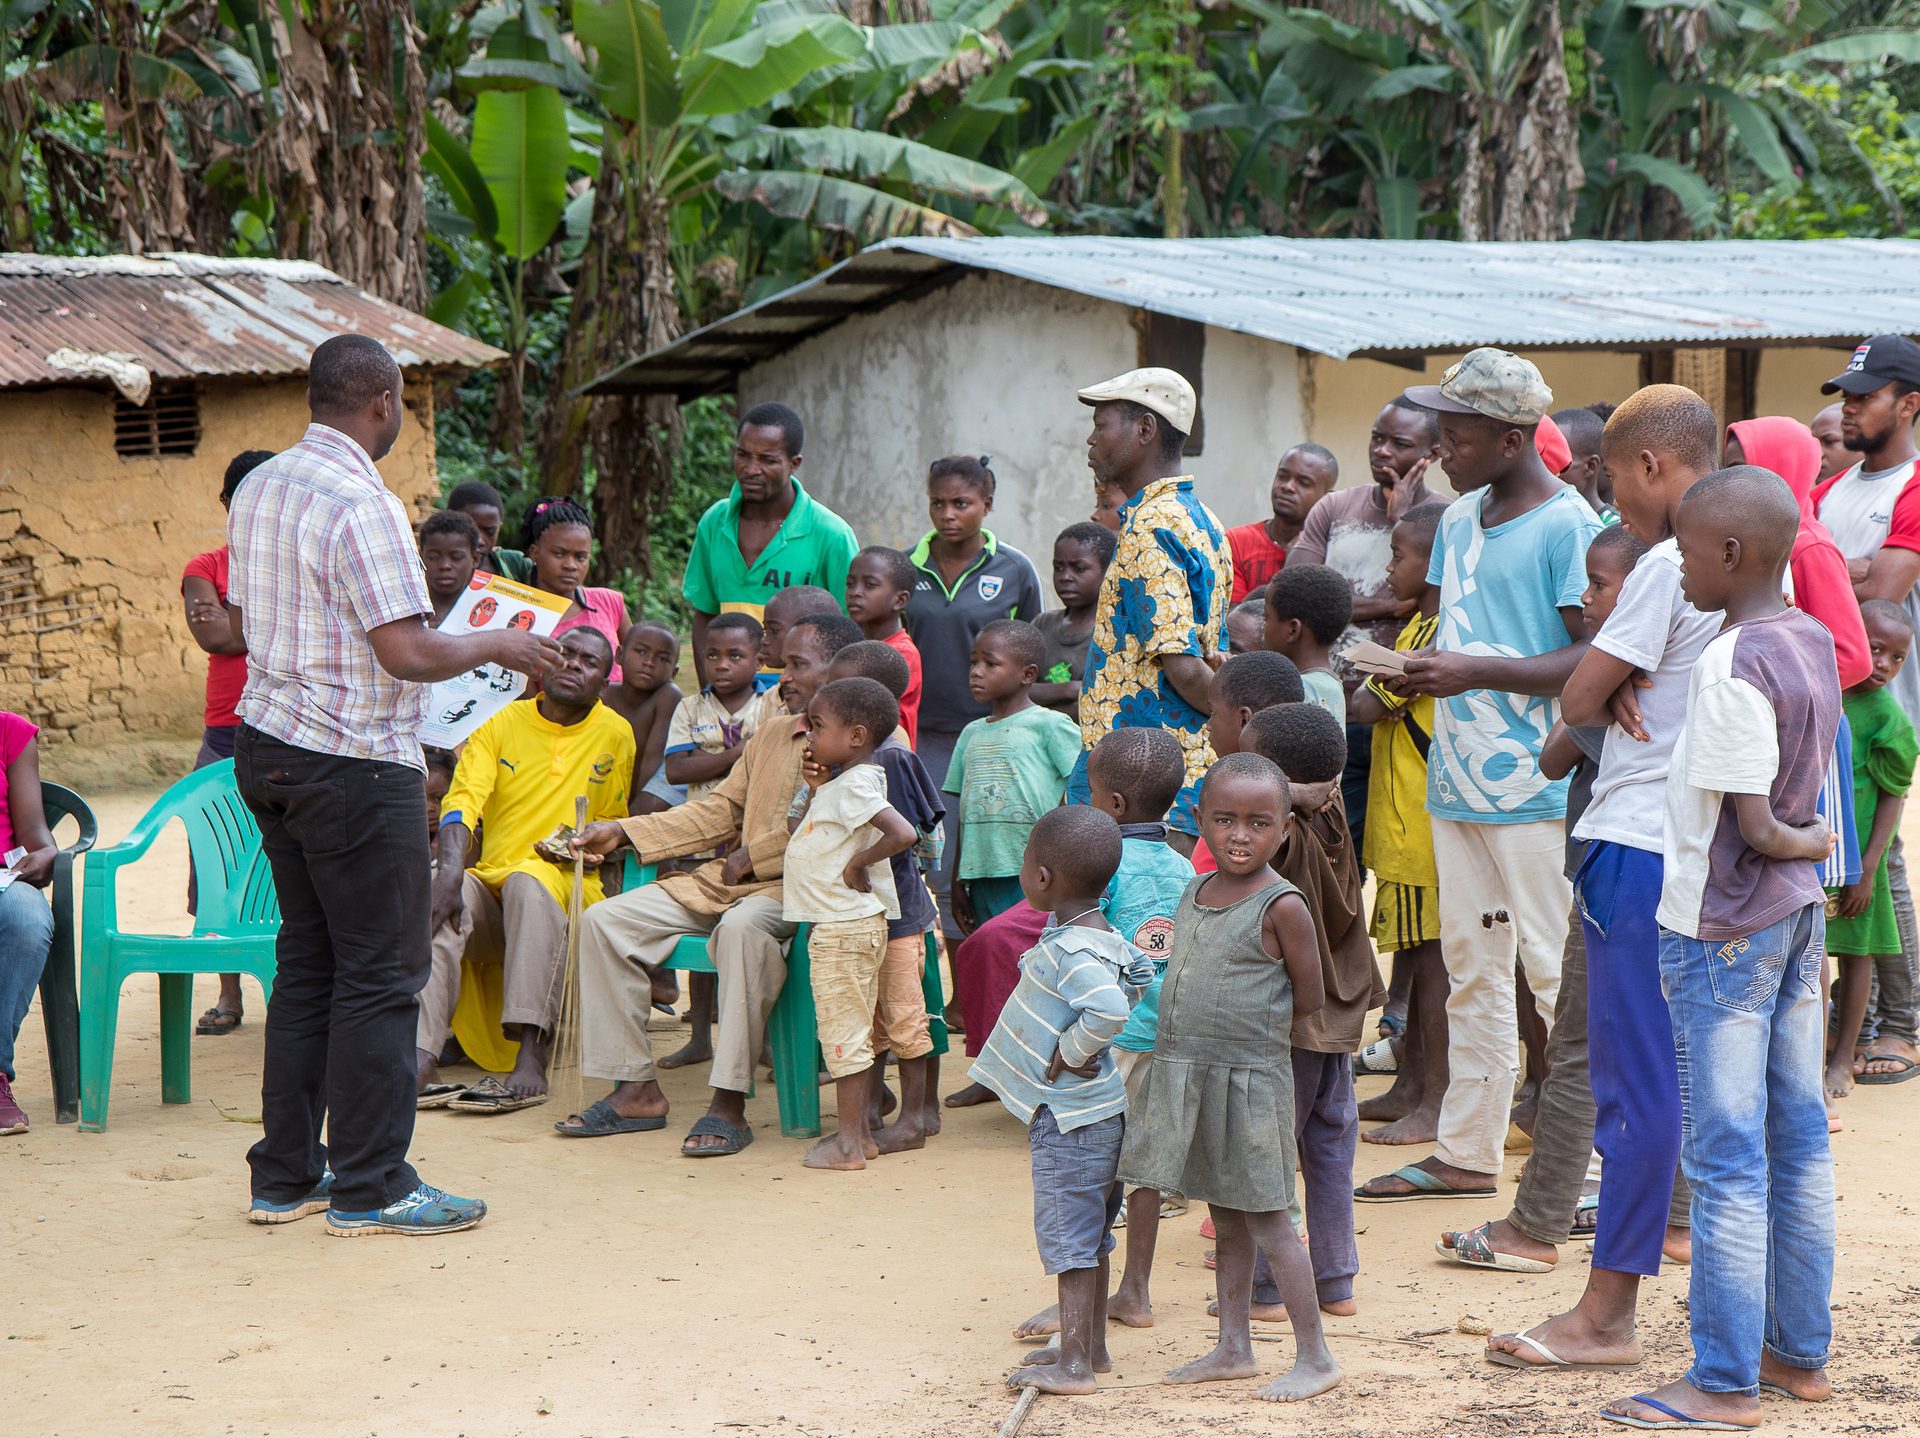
[812, 546]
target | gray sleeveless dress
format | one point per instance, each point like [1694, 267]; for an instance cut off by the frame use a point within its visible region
[1214, 1118]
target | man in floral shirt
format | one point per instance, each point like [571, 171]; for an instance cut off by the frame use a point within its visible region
[1160, 625]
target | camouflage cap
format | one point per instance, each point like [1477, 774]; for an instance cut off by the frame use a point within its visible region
[1490, 382]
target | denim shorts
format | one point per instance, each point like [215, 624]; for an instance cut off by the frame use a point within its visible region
[1076, 1191]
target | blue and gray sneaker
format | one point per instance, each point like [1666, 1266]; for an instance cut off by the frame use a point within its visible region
[425, 1210]
[266, 1211]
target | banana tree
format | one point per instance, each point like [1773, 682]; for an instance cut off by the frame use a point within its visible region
[699, 97]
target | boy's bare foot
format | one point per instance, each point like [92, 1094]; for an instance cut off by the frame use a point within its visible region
[1277, 1312]
[1306, 1378]
[1503, 1237]
[1052, 1378]
[1050, 1357]
[1043, 1324]
[1809, 1385]
[1677, 1246]
[1840, 1076]
[1420, 1126]
[1127, 1309]
[1396, 1102]
[1683, 1398]
[1218, 1366]
[969, 1096]
[696, 1051]
[837, 1151]
[1571, 1338]
[908, 1132]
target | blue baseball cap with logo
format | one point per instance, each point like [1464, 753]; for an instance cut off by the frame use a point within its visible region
[1880, 361]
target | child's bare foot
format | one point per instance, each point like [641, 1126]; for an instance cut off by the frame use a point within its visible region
[1396, 1102]
[908, 1132]
[1306, 1378]
[1420, 1126]
[967, 1097]
[1129, 1309]
[1050, 1357]
[1677, 1246]
[1052, 1378]
[1691, 1403]
[1221, 1364]
[1840, 1076]
[1277, 1312]
[695, 1051]
[838, 1151]
[1809, 1385]
[1043, 1324]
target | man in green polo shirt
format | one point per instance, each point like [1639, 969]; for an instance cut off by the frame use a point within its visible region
[766, 536]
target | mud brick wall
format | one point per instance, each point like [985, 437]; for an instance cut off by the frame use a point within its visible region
[94, 645]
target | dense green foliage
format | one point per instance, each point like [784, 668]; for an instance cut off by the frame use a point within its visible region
[577, 181]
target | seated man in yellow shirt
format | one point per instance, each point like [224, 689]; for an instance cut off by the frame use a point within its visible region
[519, 775]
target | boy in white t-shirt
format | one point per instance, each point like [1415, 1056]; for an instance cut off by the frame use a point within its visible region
[1632, 680]
[838, 880]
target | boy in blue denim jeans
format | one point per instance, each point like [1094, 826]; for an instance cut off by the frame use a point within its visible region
[1742, 935]
[1047, 1060]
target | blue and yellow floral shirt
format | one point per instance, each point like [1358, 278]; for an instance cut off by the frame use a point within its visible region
[1165, 593]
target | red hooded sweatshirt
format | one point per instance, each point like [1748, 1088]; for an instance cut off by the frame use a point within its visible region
[1819, 571]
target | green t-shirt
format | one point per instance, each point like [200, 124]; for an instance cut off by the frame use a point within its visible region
[510, 564]
[812, 546]
[1884, 752]
[1008, 773]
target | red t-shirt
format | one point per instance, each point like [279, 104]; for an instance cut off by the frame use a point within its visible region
[1256, 558]
[226, 673]
[910, 701]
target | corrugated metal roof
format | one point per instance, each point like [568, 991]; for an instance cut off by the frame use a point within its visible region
[179, 316]
[1344, 298]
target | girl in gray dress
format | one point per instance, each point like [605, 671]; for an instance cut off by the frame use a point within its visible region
[1214, 1119]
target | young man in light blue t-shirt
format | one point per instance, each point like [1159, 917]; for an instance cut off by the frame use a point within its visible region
[1510, 563]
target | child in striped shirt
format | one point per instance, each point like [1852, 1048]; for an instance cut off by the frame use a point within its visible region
[1047, 1060]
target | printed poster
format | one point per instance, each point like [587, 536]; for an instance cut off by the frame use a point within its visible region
[460, 705]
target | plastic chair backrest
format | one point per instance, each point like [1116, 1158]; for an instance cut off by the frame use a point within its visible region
[60, 803]
[235, 882]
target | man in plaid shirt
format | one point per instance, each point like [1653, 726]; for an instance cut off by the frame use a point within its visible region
[327, 591]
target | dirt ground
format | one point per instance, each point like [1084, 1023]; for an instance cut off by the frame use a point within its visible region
[618, 1288]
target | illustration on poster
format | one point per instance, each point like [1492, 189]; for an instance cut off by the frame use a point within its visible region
[522, 619]
[484, 609]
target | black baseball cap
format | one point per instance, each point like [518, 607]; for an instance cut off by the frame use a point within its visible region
[1880, 361]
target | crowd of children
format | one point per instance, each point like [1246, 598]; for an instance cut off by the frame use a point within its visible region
[1622, 780]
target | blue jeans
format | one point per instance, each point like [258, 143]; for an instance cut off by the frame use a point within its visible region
[1747, 1026]
[26, 933]
[1636, 1088]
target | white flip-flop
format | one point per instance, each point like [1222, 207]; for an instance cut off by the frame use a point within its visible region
[1554, 1360]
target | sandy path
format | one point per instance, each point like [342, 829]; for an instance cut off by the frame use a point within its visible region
[630, 1291]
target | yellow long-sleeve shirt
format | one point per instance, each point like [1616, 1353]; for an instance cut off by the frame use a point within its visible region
[520, 774]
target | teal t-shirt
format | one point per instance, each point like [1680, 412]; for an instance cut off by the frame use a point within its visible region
[812, 546]
[1323, 689]
[1008, 773]
[1140, 904]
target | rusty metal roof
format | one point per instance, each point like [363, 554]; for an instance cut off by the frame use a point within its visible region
[180, 316]
[1361, 298]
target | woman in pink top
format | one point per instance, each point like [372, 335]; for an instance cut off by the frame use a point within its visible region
[1816, 568]
[557, 536]
[26, 923]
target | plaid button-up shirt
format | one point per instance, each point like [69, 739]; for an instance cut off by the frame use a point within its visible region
[322, 553]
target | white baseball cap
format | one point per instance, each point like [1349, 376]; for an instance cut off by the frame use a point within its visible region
[1164, 391]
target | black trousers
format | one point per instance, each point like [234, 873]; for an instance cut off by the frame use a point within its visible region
[1353, 784]
[346, 839]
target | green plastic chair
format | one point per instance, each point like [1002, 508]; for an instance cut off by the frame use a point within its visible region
[59, 999]
[793, 1029]
[234, 931]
